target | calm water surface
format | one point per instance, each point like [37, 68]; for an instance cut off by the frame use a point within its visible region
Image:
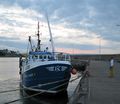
[9, 80]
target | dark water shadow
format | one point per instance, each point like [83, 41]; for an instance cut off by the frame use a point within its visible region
[60, 98]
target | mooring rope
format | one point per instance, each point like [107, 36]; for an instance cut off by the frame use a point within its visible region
[33, 86]
[40, 92]
[50, 83]
[35, 94]
[12, 90]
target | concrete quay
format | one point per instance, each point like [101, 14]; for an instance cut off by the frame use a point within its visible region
[102, 88]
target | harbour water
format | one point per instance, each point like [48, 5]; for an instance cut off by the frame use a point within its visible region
[9, 80]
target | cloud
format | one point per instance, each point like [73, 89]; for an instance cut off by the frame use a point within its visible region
[9, 38]
[77, 23]
[75, 51]
[16, 45]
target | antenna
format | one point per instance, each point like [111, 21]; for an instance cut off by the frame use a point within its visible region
[51, 38]
[38, 34]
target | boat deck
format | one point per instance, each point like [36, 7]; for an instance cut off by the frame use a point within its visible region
[102, 89]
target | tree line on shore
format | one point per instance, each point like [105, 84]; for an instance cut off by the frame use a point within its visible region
[9, 53]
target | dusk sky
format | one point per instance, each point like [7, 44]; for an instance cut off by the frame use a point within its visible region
[78, 26]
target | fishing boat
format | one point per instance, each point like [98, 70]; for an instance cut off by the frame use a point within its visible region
[44, 70]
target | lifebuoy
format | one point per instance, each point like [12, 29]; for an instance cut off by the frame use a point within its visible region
[74, 71]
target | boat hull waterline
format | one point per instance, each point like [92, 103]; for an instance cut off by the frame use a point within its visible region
[51, 78]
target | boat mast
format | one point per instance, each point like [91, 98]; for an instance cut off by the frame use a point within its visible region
[51, 38]
[38, 44]
[30, 43]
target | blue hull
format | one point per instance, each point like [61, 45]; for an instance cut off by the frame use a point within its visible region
[49, 78]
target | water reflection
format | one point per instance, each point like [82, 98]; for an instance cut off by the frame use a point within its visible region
[61, 98]
[9, 80]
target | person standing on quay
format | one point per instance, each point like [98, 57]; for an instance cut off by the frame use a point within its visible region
[111, 70]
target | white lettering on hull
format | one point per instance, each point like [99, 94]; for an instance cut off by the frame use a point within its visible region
[57, 68]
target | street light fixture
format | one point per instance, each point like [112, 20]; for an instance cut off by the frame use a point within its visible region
[99, 37]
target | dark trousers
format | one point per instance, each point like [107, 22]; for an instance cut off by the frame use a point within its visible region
[111, 72]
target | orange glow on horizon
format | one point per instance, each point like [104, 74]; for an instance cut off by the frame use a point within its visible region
[76, 51]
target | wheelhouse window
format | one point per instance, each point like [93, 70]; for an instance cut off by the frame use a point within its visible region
[36, 56]
[32, 56]
[40, 57]
[45, 56]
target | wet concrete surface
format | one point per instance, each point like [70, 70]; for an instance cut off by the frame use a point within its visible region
[103, 89]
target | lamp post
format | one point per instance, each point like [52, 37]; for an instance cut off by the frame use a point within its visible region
[99, 47]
